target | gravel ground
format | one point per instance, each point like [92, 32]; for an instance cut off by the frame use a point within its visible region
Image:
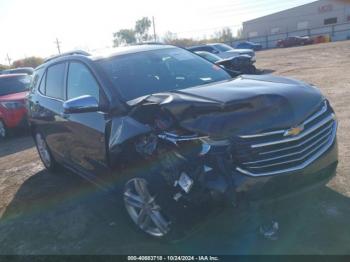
[43, 213]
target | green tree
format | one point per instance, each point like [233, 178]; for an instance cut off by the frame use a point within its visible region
[32, 61]
[142, 27]
[124, 36]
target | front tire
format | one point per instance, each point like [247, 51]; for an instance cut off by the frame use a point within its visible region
[143, 209]
[44, 153]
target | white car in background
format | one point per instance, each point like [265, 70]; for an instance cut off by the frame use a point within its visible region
[223, 50]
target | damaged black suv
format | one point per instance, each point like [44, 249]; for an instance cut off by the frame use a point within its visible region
[167, 130]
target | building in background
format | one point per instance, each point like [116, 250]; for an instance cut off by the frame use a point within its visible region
[317, 14]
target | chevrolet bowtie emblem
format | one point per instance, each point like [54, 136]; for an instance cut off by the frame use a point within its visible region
[294, 131]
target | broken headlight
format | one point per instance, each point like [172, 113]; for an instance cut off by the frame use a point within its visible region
[206, 143]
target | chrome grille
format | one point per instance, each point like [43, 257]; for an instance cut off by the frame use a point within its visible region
[274, 153]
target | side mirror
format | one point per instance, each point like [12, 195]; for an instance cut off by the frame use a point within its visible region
[81, 104]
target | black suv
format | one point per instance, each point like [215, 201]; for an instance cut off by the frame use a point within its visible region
[167, 130]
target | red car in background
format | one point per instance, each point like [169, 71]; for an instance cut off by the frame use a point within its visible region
[13, 92]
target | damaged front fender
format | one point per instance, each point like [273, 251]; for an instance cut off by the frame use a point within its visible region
[124, 129]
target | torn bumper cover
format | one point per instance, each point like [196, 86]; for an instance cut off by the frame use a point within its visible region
[222, 180]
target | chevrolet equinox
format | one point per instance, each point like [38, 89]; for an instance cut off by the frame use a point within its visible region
[166, 130]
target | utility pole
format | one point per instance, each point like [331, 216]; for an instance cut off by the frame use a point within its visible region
[58, 45]
[154, 30]
[8, 59]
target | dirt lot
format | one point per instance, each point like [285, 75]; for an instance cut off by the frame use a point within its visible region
[42, 213]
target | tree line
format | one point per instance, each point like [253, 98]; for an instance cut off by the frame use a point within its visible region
[32, 61]
[140, 34]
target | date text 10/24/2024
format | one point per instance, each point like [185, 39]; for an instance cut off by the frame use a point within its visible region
[173, 258]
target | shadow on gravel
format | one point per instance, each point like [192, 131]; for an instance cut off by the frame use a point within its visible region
[15, 144]
[62, 214]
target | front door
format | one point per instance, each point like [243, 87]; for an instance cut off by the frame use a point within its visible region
[86, 136]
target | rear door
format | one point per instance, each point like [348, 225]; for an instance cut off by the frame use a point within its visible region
[86, 136]
[48, 107]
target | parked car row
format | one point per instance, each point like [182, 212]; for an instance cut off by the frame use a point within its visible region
[171, 135]
[289, 41]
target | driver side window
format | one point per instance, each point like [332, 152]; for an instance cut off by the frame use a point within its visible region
[81, 82]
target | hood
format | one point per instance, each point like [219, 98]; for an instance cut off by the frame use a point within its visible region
[14, 97]
[245, 105]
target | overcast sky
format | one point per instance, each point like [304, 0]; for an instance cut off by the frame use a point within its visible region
[31, 27]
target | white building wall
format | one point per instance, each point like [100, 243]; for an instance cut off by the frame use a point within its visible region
[307, 16]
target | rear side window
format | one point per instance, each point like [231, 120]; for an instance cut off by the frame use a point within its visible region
[55, 81]
[81, 82]
[36, 79]
[42, 85]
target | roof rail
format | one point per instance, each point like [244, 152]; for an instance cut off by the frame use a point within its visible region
[75, 52]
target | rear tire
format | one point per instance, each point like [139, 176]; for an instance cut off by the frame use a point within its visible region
[44, 153]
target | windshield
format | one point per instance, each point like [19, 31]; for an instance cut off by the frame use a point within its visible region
[223, 47]
[14, 84]
[149, 72]
[211, 57]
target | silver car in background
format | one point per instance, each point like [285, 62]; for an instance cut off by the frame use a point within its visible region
[223, 50]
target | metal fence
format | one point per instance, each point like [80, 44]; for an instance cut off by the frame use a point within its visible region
[336, 32]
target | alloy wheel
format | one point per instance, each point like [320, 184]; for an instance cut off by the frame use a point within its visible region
[143, 209]
[43, 150]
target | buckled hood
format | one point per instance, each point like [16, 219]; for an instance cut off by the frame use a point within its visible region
[247, 104]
